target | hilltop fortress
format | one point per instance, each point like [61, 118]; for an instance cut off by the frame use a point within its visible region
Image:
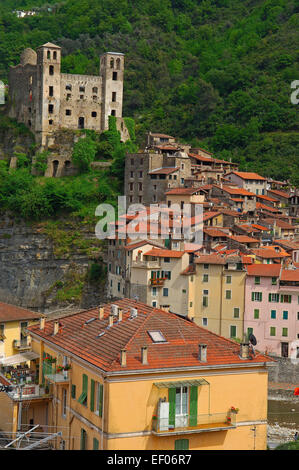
[46, 100]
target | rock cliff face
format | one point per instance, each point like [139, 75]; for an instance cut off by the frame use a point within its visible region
[47, 266]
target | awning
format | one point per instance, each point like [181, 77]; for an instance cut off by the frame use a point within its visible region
[19, 358]
[185, 383]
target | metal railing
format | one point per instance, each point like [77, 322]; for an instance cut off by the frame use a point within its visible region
[21, 344]
[192, 422]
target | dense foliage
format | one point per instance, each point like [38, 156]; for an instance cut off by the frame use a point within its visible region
[217, 73]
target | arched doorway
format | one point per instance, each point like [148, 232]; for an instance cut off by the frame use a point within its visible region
[81, 123]
[55, 167]
[67, 167]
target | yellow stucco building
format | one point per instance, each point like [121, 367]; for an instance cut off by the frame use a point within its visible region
[128, 376]
[217, 294]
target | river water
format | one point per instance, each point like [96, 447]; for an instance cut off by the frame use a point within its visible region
[283, 416]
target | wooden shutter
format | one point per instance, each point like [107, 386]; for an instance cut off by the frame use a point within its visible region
[193, 406]
[181, 444]
[101, 400]
[83, 439]
[171, 399]
[92, 384]
[95, 444]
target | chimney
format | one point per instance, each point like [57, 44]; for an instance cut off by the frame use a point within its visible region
[202, 352]
[123, 357]
[101, 313]
[56, 327]
[42, 323]
[110, 320]
[120, 315]
[144, 355]
[244, 349]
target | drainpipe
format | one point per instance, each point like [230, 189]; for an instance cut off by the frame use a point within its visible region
[103, 415]
[221, 292]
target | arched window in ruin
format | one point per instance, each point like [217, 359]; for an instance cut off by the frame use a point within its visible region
[48, 55]
[55, 167]
[67, 167]
[95, 89]
[54, 55]
[51, 70]
[111, 63]
[118, 64]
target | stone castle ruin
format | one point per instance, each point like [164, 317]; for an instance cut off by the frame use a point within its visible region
[48, 101]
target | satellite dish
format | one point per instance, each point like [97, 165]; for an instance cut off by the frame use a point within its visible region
[252, 339]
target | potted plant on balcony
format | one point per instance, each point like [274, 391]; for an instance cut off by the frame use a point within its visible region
[228, 420]
[67, 367]
[59, 369]
[234, 410]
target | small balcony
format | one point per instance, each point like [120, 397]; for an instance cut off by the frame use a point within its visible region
[28, 392]
[188, 424]
[58, 378]
[157, 282]
[22, 345]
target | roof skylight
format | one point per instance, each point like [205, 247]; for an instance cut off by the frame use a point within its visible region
[157, 336]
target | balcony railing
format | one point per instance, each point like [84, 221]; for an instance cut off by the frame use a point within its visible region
[21, 344]
[28, 392]
[145, 264]
[157, 282]
[59, 377]
[190, 424]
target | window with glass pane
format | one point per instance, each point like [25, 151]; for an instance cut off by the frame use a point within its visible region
[236, 312]
[228, 279]
[181, 401]
[285, 315]
[228, 294]
[274, 281]
[233, 331]
[273, 314]
[257, 280]
[256, 313]
[205, 278]
[272, 331]
[284, 332]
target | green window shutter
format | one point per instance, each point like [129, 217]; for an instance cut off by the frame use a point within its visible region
[193, 406]
[83, 439]
[101, 400]
[181, 444]
[92, 383]
[73, 391]
[95, 444]
[269, 297]
[84, 383]
[252, 296]
[171, 399]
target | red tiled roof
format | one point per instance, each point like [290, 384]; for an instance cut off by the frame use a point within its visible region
[215, 232]
[268, 253]
[13, 313]
[161, 253]
[210, 259]
[248, 176]
[279, 193]
[259, 205]
[183, 191]
[244, 239]
[292, 245]
[264, 270]
[230, 190]
[267, 198]
[290, 275]
[179, 351]
[132, 246]
[260, 227]
[201, 158]
[163, 171]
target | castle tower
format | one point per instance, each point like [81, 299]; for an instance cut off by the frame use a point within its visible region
[112, 73]
[48, 84]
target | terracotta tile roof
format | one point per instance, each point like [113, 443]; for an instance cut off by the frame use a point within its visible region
[244, 239]
[132, 246]
[201, 158]
[264, 270]
[13, 313]
[179, 351]
[209, 215]
[230, 190]
[260, 227]
[267, 198]
[215, 232]
[293, 245]
[160, 253]
[259, 205]
[248, 176]
[290, 275]
[163, 171]
[280, 223]
[246, 259]
[210, 259]
[268, 253]
[183, 191]
[279, 193]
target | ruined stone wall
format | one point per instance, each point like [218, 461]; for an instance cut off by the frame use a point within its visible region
[84, 101]
[23, 94]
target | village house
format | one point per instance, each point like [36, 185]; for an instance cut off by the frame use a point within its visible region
[188, 388]
[271, 308]
[251, 181]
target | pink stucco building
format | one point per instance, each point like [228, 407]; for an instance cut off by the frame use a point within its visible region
[272, 308]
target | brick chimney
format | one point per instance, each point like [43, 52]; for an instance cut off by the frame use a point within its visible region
[101, 313]
[144, 355]
[42, 323]
[123, 357]
[56, 327]
[202, 352]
